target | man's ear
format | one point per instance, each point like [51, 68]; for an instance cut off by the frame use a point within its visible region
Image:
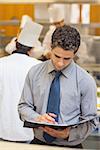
[75, 58]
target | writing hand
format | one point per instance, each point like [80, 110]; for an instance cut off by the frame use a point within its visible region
[48, 118]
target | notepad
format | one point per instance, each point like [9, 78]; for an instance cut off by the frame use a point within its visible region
[34, 124]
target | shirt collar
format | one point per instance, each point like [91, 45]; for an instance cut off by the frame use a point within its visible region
[66, 72]
[51, 67]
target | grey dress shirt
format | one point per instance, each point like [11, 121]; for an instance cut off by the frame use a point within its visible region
[78, 99]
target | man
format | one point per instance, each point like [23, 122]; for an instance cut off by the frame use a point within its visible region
[12, 45]
[76, 97]
[56, 18]
[13, 71]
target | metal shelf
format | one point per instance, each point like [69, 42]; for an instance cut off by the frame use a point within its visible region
[9, 22]
[83, 25]
[46, 22]
[91, 67]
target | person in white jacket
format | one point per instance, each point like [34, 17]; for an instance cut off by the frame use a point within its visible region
[13, 71]
[11, 46]
[56, 19]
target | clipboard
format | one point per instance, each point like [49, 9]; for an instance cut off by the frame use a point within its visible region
[34, 124]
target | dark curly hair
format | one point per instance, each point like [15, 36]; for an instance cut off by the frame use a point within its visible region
[66, 37]
[21, 48]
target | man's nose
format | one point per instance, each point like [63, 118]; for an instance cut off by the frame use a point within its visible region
[60, 62]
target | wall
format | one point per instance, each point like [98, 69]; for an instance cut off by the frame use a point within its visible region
[14, 11]
[95, 16]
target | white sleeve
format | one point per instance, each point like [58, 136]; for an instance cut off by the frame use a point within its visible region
[11, 46]
[47, 39]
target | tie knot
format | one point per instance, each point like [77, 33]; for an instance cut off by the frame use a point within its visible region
[58, 73]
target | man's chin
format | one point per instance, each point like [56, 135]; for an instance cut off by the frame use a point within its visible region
[59, 69]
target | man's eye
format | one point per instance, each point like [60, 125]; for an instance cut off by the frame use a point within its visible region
[67, 58]
[57, 56]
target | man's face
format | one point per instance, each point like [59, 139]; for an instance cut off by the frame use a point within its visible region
[61, 58]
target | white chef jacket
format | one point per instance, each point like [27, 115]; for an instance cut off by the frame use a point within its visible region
[47, 38]
[13, 71]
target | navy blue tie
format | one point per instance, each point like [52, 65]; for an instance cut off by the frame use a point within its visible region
[53, 105]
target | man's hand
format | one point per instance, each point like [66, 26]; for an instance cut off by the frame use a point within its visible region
[57, 133]
[48, 118]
